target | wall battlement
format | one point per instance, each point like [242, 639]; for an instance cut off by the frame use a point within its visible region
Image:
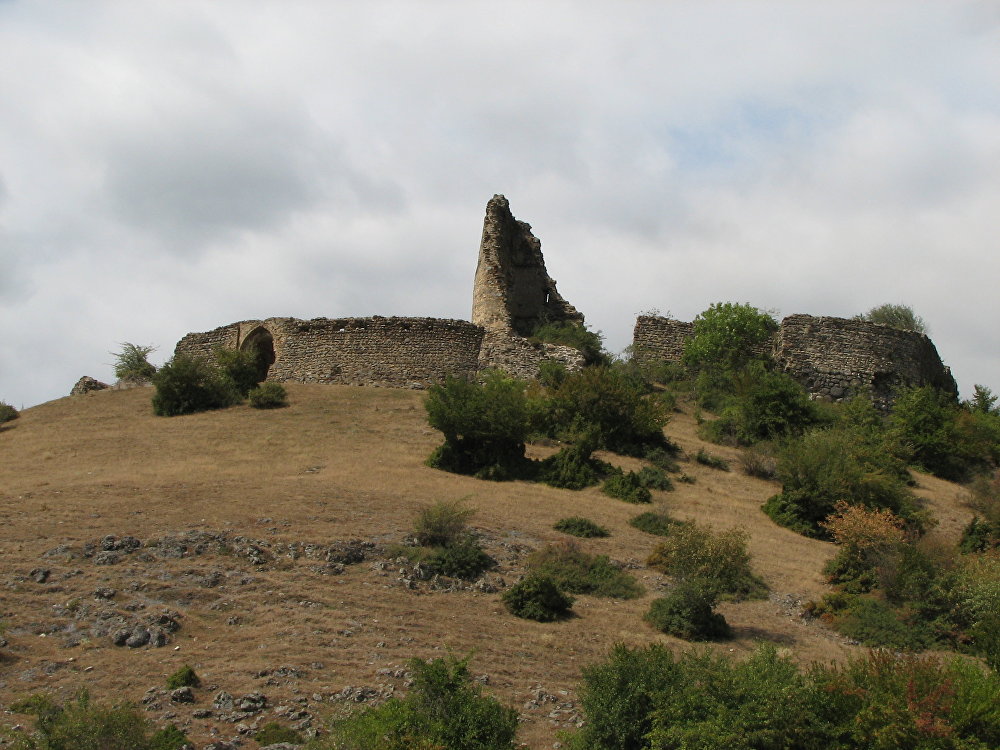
[513, 294]
[833, 358]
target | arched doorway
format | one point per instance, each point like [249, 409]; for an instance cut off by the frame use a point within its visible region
[261, 341]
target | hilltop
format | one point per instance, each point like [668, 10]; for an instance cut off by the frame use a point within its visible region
[264, 540]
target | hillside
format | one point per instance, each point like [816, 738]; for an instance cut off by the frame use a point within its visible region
[244, 517]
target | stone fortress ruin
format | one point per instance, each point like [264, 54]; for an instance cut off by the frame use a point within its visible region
[834, 358]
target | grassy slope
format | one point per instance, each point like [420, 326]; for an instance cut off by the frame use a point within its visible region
[339, 463]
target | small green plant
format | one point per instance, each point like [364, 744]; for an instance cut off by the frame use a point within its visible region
[657, 524]
[169, 738]
[663, 459]
[717, 558]
[268, 395]
[687, 612]
[442, 524]
[627, 487]
[576, 572]
[573, 467]
[576, 335]
[896, 316]
[979, 536]
[131, 362]
[272, 733]
[183, 677]
[82, 724]
[187, 384]
[8, 413]
[759, 461]
[463, 558]
[712, 461]
[537, 597]
[653, 478]
[239, 367]
[444, 710]
[581, 527]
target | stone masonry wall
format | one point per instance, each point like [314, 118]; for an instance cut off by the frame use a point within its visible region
[393, 352]
[833, 358]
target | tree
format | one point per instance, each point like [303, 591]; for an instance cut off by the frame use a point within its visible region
[896, 316]
[728, 336]
[983, 401]
[131, 362]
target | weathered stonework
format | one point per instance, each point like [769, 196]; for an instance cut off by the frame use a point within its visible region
[513, 293]
[833, 358]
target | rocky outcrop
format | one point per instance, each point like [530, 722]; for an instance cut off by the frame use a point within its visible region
[86, 384]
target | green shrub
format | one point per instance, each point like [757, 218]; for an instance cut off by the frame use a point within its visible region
[537, 597]
[573, 467]
[662, 458]
[187, 384]
[687, 612]
[8, 413]
[463, 558]
[551, 374]
[653, 478]
[239, 367]
[824, 467]
[610, 405]
[720, 559]
[627, 487]
[268, 395]
[82, 725]
[901, 317]
[658, 524]
[712, 461]
[444, 710]
[169, 738]
[484, 426]
[727, 337]
[979, 536]
[581, 527]
[131, 362]
[576, 572]
[576, 335]
[272, 733]
[183, 677]
[442, 524]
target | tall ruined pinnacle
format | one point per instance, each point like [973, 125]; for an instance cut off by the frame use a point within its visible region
[513, 293]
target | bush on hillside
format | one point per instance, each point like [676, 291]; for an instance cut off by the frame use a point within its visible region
[274, 733]
[576, 572]
[537, 597]
[447, 546]
[727, 337]
[464, 559]
[132, 363]
[825, 467]
[610, 406]
[657, 524]
[82, 723]
[183, 677]
[484, 426]
[268, 395]
[627, 486]
[8, 413]
[239, 367]
[581, 527]
[442, 524]
[187, 384]
[688, 612]
[573, 467]
[759, 461]
[444, 710]
[717, 558]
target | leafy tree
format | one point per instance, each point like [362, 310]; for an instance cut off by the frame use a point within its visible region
[484, 426]
[8, 413]
[896, 316]
[983, 401]
[188, 384]
[83, 725]
[728, 336]
[131, 362]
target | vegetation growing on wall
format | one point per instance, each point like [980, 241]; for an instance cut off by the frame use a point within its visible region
[901, 317]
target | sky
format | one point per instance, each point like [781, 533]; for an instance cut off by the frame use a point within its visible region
[169, 166]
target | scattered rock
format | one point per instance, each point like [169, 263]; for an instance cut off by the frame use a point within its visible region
[39, 575]
[86, 384]
[223, 701]
[104, 593]
[182, 695]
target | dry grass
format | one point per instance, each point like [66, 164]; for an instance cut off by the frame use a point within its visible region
[339, 463]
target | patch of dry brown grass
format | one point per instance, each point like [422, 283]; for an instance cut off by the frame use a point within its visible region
[338, 463]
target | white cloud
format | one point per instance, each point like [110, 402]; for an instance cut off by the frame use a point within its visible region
[173, 166]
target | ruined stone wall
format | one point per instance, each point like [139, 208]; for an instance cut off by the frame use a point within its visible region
[512, 291]
[656, 338]
[522, 358]
[393, 352]
[837, 358]
[833, 358]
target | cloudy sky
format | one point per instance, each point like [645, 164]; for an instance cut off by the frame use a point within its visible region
[170, 166]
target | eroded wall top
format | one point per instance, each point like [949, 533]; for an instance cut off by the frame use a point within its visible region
[513, 292]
